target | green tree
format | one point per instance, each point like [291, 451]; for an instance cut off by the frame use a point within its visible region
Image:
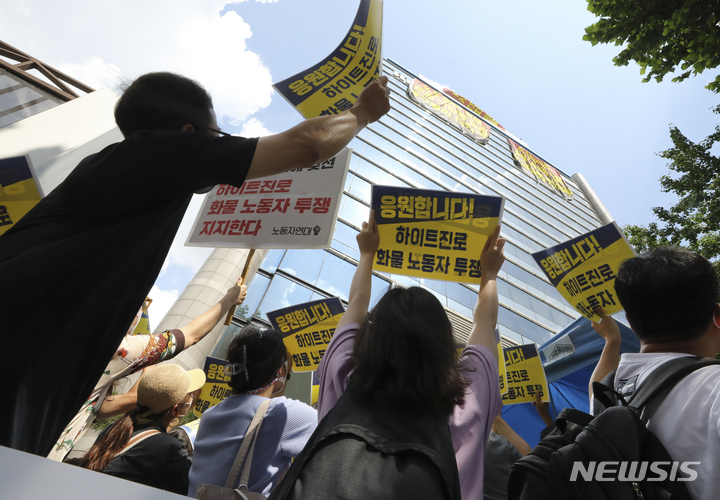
[660, 35]
[694, 221]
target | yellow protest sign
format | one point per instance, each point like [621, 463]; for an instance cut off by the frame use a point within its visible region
[433, 234]
[471, 106]
[20, 190]
[216, 386]
[307, 330]
[525, 375]
[583, 269]
[542, 171]
[315, 389]
[502, 369]
[334, 84]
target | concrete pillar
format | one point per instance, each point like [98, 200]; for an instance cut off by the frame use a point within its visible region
[219, 272]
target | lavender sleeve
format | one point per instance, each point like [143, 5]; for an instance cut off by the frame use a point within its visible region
[335, 368]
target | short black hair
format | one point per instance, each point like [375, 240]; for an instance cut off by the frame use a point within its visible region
[405, 349]
[668, 293]
[261, 351]
[162, 101]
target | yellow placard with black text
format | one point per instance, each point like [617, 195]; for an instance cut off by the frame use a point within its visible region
[334, 84]
[216, 386]
[20, 190]
[314, 389]
[433, 234]
[583, 269]
[307, 330]
[502, 369]
[525, 375]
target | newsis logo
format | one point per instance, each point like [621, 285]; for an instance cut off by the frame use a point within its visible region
[634, 471]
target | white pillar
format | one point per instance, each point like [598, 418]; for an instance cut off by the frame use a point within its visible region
[219, 272]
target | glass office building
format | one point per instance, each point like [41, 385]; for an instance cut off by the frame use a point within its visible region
[414, 147]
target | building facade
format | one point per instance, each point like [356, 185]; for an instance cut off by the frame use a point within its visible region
[421, 144]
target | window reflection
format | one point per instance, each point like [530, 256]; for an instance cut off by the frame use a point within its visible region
[281, 293]
[336, 276]
[303, 264]
[272, 260]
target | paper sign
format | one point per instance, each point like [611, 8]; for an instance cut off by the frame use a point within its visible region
[315, 389]
[502, 369]
[216, 386]
[296, 209]
[433, 234]
[20, 190]
[583, 269]
[334, 84]
[307, 330]
[525, 375]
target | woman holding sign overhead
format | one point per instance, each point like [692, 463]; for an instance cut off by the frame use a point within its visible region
[396, 404]
[259, 366]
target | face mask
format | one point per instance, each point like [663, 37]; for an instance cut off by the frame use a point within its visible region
[282, 379]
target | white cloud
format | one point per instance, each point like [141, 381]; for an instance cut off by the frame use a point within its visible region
[162, 301]
[254, 128]
[96, 41]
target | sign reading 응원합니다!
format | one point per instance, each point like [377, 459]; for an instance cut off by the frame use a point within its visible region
[307, 330]
[334, 84]
[583, 269]
[216, 386]
[296, 209]
[433, 234]
[543, 172]
[446, 108]
[525, 375]
[20, 190]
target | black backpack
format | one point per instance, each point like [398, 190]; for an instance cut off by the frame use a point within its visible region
[616, 434]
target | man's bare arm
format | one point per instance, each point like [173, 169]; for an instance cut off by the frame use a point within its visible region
[318, 139]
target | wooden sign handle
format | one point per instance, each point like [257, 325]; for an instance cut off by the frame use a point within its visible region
[231, 312]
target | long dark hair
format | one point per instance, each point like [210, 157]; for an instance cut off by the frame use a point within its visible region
[117, 436]
[261, 351]
[406, 349]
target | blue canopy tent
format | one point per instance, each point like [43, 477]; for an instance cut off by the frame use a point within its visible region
[573, 354]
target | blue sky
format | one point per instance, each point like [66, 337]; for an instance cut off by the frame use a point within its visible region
[523, 62]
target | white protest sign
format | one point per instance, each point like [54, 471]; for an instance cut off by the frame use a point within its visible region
[296, 209]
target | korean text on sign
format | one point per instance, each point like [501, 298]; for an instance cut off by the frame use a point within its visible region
[502, 369]
[334, 84]
[216, 386]
[307, 330]
[525, 375]
[433, 234]
[583, 269]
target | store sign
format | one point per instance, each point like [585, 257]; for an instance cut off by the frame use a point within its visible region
[334, 84]
[448, 110]
[544, 173]
[472, 107]
[296, 209]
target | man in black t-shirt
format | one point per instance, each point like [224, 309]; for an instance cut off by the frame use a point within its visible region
[78, 266]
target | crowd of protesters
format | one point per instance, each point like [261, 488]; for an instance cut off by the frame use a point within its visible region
[399, 414]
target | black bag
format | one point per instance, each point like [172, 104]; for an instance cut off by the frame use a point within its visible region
[616, 434]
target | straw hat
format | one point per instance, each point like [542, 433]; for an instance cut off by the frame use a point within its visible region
[167, 385]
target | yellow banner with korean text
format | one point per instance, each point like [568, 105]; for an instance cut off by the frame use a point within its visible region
[307, 330]
[314, 389]
[20, 190]
[216, 386]
[334, 84]
[542, 171]
[433, 234]
[472, 107]
[583, 269]
[525, 375]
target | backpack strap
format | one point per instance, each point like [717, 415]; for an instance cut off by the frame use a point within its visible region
[248, 440]
[137, 439]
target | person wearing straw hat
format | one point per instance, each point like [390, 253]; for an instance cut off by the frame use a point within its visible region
[137, 447]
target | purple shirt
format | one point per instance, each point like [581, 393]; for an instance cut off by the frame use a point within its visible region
[469, 424]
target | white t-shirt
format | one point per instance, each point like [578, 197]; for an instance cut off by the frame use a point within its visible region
[687, 422]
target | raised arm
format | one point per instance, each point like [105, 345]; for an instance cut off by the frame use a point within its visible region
[499, 426]
[359, 300]
[203, 324]
[486, 309]
[610, 357]
[318, 139]
[120, 404]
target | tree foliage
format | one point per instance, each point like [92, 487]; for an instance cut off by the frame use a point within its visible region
[694, 221]
[660, 35]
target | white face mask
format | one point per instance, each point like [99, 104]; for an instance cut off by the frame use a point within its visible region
[278, 392]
